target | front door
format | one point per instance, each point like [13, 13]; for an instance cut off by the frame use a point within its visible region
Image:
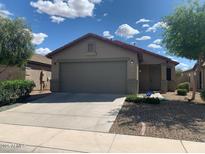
[155, 77]
[149, 78]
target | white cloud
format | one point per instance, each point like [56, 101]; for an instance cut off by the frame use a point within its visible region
[183, 66]
[3, 12]
[108, 35]
[96, 1]
[66, 8]
[126, 31]
[143, 38]
[145, 25]
[172, 58]
[154, 46]
[105, 14]
[157, 41]
[143, 20]
[38, 38]
[43, 51]
[157, 26]
[56, 19]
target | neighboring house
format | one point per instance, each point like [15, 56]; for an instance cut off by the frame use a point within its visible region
[34, 67]
[94, 64]
[186, 77]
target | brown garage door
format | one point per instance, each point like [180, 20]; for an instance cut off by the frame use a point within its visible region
[93, 77]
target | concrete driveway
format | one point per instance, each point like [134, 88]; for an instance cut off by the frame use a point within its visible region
[91, 112]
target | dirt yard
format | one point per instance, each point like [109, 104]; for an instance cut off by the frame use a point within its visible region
[173, 118]
[173, 96]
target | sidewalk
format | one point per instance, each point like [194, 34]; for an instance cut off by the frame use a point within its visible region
[15, 138]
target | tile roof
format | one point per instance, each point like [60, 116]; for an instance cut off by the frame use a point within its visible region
[132, 48]
[40, 59]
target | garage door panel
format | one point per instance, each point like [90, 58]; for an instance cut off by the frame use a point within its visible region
[93, 77]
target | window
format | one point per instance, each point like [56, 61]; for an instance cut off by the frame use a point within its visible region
[91, 47]
[169, 74]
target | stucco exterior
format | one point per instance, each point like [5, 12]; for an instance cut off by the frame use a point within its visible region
[187, 76]
[104, 52]
[31, 71]
[158, 72]
[12, 73]
[108, 52]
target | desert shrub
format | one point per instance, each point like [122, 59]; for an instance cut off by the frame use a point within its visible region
[11, 90]
[202, 94]
[184, 85]
[147, 100]
[182, 92]
[134, 99]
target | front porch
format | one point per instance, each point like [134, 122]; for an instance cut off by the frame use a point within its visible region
[156, 77]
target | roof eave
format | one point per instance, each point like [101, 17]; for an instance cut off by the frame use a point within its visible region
[124, 45]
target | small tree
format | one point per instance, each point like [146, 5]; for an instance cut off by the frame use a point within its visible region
[185, 35]
[15, 42]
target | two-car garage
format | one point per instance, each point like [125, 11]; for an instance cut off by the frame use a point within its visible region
[93, 77]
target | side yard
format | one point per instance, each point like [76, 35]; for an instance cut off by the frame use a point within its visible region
[173, 118]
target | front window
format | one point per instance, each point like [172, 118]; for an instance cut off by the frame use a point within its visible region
[169, 74]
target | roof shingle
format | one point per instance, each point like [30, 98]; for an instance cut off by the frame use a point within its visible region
[40, 59]
[135, 49]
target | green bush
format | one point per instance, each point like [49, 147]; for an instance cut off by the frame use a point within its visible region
[202, 94]
[151, 100]
[137, 99]
[182, 92]
[184, 85]
[11, 90]
[134, 99]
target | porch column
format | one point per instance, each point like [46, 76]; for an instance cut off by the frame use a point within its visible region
[163, 78]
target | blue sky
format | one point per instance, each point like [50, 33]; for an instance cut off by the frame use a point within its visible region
[57, 22]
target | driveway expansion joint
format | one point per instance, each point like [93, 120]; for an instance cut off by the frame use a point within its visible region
[183, 146]
[62, 115]
[112, 143]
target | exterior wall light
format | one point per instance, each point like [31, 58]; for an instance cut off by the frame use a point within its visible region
[131, 62]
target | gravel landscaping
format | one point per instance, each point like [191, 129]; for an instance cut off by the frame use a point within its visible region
[170, 119]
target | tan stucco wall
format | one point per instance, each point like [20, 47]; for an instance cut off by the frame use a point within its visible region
[188, 77]
[12, 73]
[150, 59]
[33, 74]
[103, 52]
[153, 60]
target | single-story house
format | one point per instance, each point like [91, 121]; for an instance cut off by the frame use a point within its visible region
[187, 75]
[94, 64]
[35, 65]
